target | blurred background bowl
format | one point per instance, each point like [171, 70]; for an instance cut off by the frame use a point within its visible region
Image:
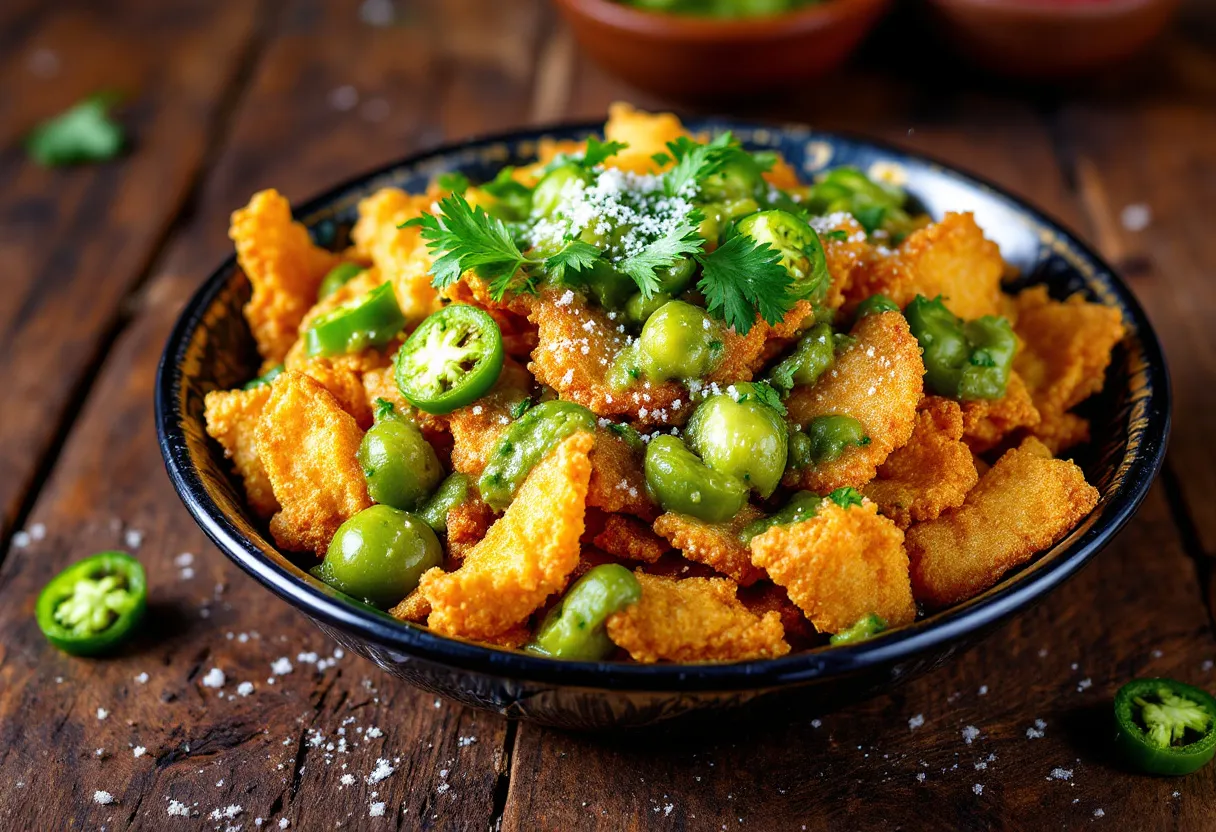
[701, 58]
[1040, 39]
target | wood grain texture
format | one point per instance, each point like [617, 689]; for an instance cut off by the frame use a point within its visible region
[75, 241]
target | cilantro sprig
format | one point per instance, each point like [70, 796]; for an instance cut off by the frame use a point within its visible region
[83, 133]
[741, 278]
[462, 238]
[682, 240]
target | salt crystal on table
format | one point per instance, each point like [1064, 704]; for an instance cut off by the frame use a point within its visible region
[916, 722]
[104, 798]
[1136, 217]
[214, 679]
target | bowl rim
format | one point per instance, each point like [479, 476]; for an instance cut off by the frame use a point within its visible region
[922, 636]
[1046, 10]
[676, 27]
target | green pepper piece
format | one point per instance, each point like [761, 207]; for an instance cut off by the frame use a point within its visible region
[400, 466]
[746, 439]
[93, 605]
[265, 378]
[555, 185]
[993, 345]
[338, 277]
[964, 361]
[369, 321]
[451, 359]
[810, 359]
[1164, 726]
[678, 341]
[680, 482]
[575, 628]
[800, 248]
[803, 505]
[828, 437]
[525, 443]
[868, 627]
[451, 492]
[876, 305]
[379, 555]
[639, 308]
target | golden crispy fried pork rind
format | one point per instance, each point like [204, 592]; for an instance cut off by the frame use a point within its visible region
[878, 381]
[307, 444]
[951, 258]
[618, 481]
[645, 133]
[400, 254]
[986, 422]
[716, 545]
[930, 474]
[232, 418]
[694, 620]
[840, 566]
[476, 428]
[284, 267]
[1066, 348]
[630, 539]
[1024, 504]
[526, 556]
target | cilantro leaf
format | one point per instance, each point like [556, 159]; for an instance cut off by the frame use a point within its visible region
[681, 239]
[741, 278]
[575, 256]
[764, 392]
[846, 497]
[461, 237]
[837, 234]
[599, 152]
[454, 181]
[694, 161]
[83, 133]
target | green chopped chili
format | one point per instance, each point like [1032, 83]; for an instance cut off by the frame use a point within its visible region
[338, 277]
[868, 627]
[452, 359]
[93, 605]
[1164, 726]
[265, 378]
[967, 361]
[369, 321]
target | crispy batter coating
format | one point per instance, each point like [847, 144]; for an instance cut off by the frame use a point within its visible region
[930, 474]
[307, 443]
[414, 607]
[766, 596]
[284, 268]
[343, 381]
[694, 620]
[468, 523]
[878, 381]
[847, 259]
[1024, 504]
[525, 557]
[1066, 348]
[232, 420]
[645, 133]
[716, 545]
[951, 258]
[399, 254]
[626, 537]
[511, 313]
[618, 482]
[987, 422]
[840, 566]
[477, 427]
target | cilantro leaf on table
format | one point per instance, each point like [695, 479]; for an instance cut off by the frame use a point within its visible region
[741, 278]
[83, 133]
[681, 239]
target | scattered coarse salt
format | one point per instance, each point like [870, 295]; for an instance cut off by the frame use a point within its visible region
[21, 540]
[215, 678]
[228, 812]
[1060, 774]
[104, 798]
[1098, 813]
[983, 691]
[374, 732]
[1084, 684]
[1207, 665]
[141, 679]
[37, 531]
[102, 713]
[244, 688]
[183, 560]
[978, 788]
[916, 722]
[920, 777]
[134, 538]
[382, 770]
[376, 810]
[1038, 731]
[281, 666]
[348, 779]
[139, 751]
[178, 809]
[307, 658]
[970, 733]
[186, 574]
[815, 723]
[284, 823]
[1136, 217]
[464, 742]
[343, 98]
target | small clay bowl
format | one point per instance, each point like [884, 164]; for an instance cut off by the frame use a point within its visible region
[699, 58]
[1043, 39]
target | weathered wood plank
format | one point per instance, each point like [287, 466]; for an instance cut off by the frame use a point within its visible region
[74, 242]
[209, 749]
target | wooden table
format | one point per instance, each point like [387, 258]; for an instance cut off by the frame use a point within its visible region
[228, 97]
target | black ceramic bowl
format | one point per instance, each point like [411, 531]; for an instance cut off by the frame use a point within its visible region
[211, 348]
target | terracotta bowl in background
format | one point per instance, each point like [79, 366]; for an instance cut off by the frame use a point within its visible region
[1042, 39]
[699, 58]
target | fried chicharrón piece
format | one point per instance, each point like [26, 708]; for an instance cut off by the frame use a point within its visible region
[645, 133]
[694, 620]
[476, 428]
[878, 381]
[986, 422]
[1026, 503]
[1066, 348]
[232, 420]
[840, 566]
[400, 254]
[629, 538]
[618, 482]
[716, 545]
[307, 443]
[930, 474]
[951, 258]
[284, 267]
[526, 556]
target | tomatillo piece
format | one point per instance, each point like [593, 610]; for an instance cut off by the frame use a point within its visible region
[679, 341]
[369, 321]
[526, 442]
[963, 361]
[575, 628]
[803, 505]
[265, 378]
[876, 305]
[379, 555]
[680, 482]
[800, 248]
[452, 359]
[867, 627]
[639, 308]
[555, 185]
[93, 605]
[338, 277]
[745, 439]
[451, 492]
[400, 466]
[1165, 727]
[829, 437]
[812, 357]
